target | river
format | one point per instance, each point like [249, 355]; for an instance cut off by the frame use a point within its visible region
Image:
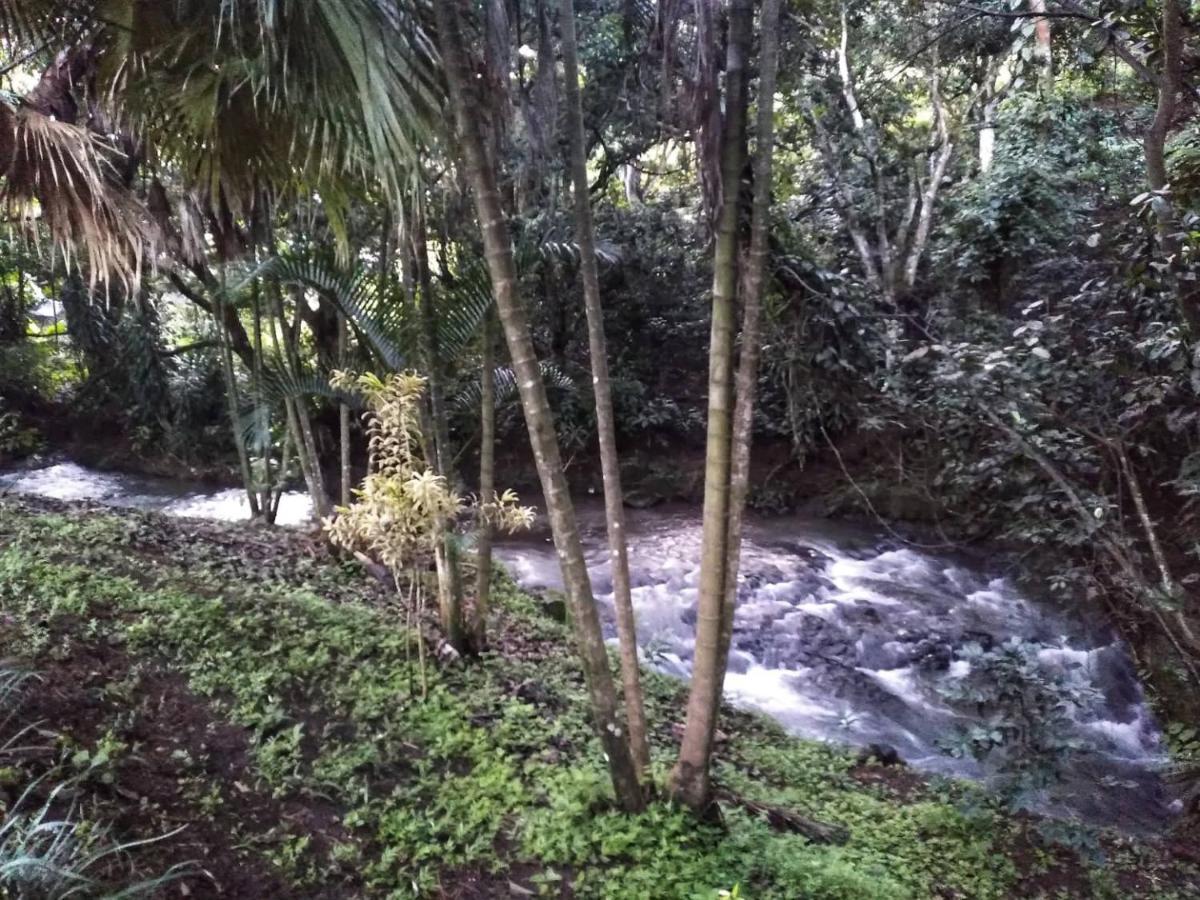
[841, 633]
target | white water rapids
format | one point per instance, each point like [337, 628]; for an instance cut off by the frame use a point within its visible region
[839, 635]
[844, 636]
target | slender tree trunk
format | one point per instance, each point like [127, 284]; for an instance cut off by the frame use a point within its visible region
[266, 507]
[753, 280]
[344, 415]
[1043, 50]
[301, 439]
[232, 399]
[610, 463]
[870, 141]
[938, 161]
[690, 778]
[450, 592]
[538, 416]
[487, 481]
[316, 476]
[285, 461]
[1170, 83]
[987, 132]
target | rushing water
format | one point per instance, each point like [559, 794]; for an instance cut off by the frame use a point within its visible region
[844, 636]
[69, 481]
[840, 635]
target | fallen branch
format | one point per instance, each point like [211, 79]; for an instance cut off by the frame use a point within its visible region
[375, 570]
[782, 819]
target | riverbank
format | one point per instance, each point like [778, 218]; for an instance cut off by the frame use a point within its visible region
[249, 687]
[843, 634]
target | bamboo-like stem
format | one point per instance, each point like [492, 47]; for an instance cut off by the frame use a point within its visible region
[449, 568]
[344, 414]
[420, 604]
[539, 420]
[320, 497]
[268, 508]
[487, 482]
[754, 276]
[232, 398]
[297, 416]
[610, 463]
[690, 777]
[285, 461]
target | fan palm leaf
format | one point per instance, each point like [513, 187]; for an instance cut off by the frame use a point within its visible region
[63, 176]
[463, 304]
[275, 387]
[463, 301]
[506, 385]
[244, 99]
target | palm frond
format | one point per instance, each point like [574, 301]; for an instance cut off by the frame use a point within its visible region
[296, 94]
[568, 252]
[471, 395]
[276, 385]
[64, 175]
[467, 292]
[239, 97]
[463, 304]
[355, 294]
[32, 24]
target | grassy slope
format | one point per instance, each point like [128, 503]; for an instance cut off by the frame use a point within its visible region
[249, 686]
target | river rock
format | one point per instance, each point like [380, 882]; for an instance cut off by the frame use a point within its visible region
[739, 662]
[554, 607]
[883, 754]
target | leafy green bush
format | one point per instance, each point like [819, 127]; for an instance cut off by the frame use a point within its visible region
[1184, 741]
[1028, 731]
[1055, 155]
[16, 438]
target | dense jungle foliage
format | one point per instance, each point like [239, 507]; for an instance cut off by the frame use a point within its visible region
[931, 263]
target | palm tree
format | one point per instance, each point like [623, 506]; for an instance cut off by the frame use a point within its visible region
[610, 463]
[240, 100]
[727, 470]
[481, 174]
[234, 108]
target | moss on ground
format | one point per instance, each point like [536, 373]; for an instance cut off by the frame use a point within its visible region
[351, 783]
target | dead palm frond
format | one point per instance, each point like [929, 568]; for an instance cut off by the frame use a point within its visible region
[63, 175]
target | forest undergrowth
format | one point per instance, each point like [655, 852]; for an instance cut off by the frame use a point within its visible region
[253, 704]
